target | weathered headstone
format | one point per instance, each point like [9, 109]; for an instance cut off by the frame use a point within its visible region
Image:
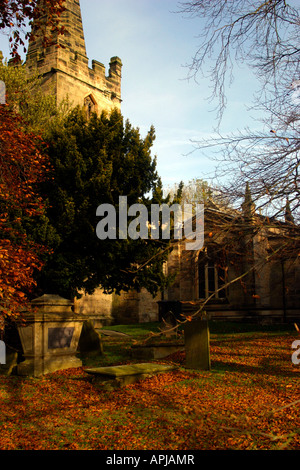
[168, 324]
[196, 338]
[90, 342]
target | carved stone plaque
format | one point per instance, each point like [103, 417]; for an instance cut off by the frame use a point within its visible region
[60, 337]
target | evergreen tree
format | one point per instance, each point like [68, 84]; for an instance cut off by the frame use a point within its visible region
[94, 162]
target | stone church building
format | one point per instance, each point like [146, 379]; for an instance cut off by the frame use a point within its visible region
[270, 290]
[65, 69]
[243, 271]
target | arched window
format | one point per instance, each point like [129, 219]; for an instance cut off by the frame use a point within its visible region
[211, 275]
[90, 106]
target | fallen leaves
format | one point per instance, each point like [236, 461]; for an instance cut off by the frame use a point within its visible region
[249, 400]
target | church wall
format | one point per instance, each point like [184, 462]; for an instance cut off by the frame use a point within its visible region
[77, 81]
[292, 283]
[111, 309]
[187, 275]
[148, 306]
[81, 88]
[272, 291]
[173, 267]
[97, 307]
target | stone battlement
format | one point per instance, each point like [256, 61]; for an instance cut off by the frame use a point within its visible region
[64, 66]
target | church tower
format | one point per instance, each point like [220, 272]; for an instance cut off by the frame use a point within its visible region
[64, 67]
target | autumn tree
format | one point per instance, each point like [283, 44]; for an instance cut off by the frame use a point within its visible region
[94, 162]
[15, 16]
[22, 167]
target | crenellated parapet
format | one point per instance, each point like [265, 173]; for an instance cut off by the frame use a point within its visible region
[65, 69]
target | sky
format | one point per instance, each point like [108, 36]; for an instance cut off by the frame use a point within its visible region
[156, 44]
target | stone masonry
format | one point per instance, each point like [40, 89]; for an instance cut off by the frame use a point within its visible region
[64, 67]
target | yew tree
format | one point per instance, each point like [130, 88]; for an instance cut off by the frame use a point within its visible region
[94, 162]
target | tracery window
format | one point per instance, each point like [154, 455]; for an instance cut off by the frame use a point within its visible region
[90, 106]
[211, 275]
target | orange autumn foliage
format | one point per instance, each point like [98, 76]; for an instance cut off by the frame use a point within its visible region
[21, 167]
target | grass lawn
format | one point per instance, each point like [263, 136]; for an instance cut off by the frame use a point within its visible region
[249, 399]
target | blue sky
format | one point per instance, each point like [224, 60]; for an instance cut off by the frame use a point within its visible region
[155, 44]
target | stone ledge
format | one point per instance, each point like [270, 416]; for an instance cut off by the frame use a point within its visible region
[119, 376]
[130, 369]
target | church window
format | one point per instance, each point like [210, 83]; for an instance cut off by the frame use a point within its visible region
[90, 106]
[211, 276]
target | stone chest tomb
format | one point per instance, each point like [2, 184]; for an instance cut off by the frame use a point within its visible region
[49, 337]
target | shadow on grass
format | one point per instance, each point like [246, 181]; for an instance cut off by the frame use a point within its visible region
[266, 368]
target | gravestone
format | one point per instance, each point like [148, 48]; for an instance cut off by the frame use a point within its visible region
[49, 337]
[168, 323]
[90, 342]
[196, 338]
